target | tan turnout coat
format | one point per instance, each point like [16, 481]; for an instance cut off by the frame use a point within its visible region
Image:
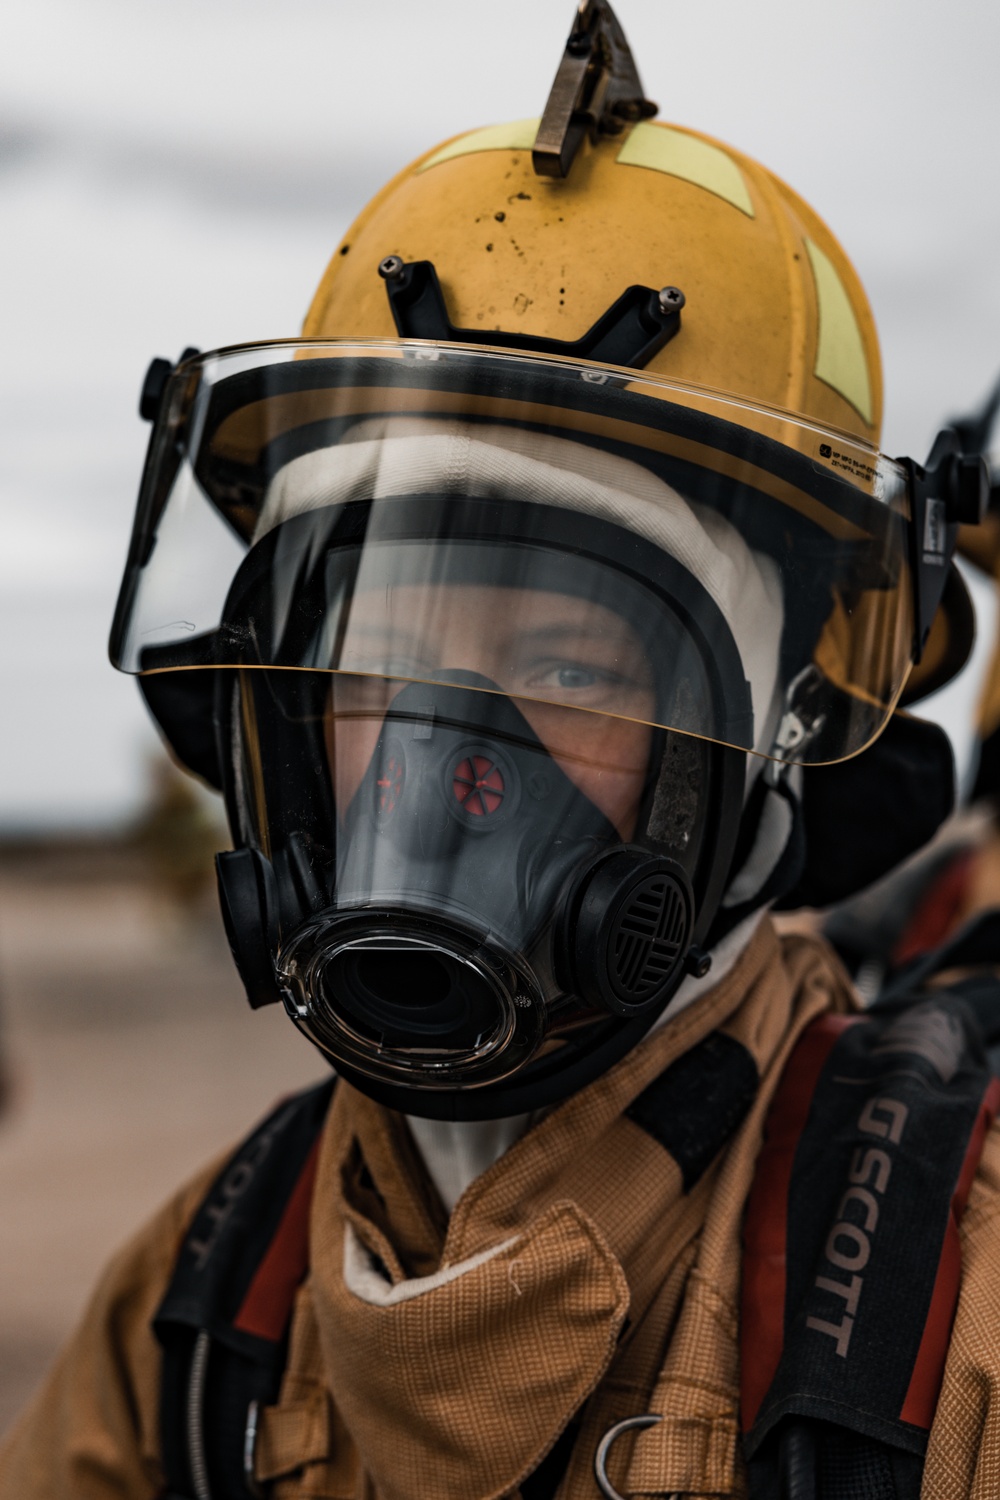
[574, 1276]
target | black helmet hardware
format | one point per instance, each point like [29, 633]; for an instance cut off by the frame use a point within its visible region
[633, 329]
[951, 489]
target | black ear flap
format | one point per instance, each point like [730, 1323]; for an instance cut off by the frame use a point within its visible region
[864, 816]
[184, 707]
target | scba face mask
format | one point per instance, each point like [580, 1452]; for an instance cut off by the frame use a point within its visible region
[477, 897]
[488, 642]
[479, 908]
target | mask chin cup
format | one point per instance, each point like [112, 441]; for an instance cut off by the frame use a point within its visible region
[624, 941]
[404, 997]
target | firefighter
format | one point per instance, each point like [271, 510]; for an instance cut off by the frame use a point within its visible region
[542, 614]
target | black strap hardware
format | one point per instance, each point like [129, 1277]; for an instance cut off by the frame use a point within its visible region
[951, 489]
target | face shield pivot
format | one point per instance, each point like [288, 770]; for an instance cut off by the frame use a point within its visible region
[951, 489]
[155, 383]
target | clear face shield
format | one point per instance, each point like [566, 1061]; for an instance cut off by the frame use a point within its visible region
[488, 640]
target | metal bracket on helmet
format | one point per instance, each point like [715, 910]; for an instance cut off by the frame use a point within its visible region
[950, 490]
[596, 90]
[631, 332]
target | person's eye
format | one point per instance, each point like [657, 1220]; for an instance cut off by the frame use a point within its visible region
[575, 677]
[567, 677]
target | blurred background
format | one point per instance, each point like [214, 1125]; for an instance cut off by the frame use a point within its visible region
[174, 175]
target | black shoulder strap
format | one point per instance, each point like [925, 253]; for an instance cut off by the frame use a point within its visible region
[852, 1257]
[223, 1323]
[698, 1102]
[974, 946]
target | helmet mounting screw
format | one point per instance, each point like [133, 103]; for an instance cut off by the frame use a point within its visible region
[671, 298]
[391, 268]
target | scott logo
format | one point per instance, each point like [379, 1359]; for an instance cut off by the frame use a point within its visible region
[849, 1244]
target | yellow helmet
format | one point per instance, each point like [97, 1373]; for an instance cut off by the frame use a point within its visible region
[773, 311]
[529, 248]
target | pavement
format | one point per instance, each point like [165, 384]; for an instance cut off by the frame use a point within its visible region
[133, 1059]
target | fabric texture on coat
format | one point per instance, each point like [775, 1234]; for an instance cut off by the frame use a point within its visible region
[92, 1432]
[598, 1214]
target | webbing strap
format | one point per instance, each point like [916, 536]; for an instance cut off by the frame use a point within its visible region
[852, 1256]
[816, 1462]
[223, 1323]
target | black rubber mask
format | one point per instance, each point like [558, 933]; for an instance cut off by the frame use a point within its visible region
[474, 897]
[461, 900]
[478, 934]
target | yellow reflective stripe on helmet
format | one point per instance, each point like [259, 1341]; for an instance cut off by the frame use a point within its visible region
[681, 155]
[517, 135]
[840, 353]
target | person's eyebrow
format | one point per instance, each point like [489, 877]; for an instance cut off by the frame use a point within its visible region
[562, 632]
[381, 629]
[557, 636]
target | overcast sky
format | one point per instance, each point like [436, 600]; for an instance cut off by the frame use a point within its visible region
[175, 174]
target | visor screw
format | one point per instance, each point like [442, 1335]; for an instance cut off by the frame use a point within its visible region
[391, 267]
[670, 298]
[697, 962]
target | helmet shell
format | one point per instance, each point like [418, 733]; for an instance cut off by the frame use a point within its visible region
[774, 310]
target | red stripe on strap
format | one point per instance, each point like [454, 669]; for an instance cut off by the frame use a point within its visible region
[766, 1229]
[938, 912]
[928, 1371]
[269, 1297]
